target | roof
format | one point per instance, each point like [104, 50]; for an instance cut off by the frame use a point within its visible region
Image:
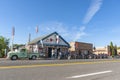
[84, 43]
[35, 41]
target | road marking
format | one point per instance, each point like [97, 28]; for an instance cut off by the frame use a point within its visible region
[56, 64]
[47, 65]
[90, 74]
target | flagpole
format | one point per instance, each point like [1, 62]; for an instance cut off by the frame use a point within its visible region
[37, 30]
[12, 43]
[29, 38]
[13, 33]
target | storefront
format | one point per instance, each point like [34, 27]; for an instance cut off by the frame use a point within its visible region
[49, 43]
[81, 49]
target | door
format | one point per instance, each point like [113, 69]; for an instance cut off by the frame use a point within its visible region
[49, 52]
[22, 55]
[58, 50]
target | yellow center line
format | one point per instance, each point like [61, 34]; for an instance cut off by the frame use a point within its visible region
[59, 64]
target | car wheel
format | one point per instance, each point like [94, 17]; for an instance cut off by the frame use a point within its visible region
[34, 57]
[14, 57]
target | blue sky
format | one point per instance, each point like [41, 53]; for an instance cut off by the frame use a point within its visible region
[91, 21]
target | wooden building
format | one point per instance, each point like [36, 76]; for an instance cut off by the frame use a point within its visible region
[46, 44]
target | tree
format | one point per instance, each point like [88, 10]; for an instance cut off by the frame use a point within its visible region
[4, 43]
[113, 49]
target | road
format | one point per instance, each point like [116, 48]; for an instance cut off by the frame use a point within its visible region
[60, 70]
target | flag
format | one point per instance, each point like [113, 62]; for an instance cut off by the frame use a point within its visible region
[13, 31]
[37, 29]
[41, 43]
[29, 39]
[57, 39]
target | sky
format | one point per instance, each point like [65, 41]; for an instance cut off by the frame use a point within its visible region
[90, 21]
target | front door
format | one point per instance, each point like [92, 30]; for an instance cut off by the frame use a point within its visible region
[49, 52]
[58, 50]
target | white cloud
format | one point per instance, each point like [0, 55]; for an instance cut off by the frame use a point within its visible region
[52, 27]
[80, 33]
[70, 33]
[92, 10]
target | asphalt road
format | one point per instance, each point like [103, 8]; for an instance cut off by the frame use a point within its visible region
[60, 70]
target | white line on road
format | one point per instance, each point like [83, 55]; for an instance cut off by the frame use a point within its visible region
[90, 74]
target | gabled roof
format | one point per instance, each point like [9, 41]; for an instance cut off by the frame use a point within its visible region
[35, 41]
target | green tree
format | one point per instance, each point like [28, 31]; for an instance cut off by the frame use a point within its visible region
[115, 49]
[4, 43]
[112, 49]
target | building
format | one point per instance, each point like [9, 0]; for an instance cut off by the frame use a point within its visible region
[105, 50]
[81, 48]
[49, 43]
[118, 50]
[101, 50]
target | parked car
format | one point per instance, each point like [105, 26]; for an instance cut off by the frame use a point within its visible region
[22, 53]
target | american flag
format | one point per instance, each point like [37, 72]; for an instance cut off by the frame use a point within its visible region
[29, 37]
[57, 38]
[37, 29]
[41, 43]
[13, 31]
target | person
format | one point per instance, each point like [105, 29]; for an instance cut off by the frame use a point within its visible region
[69, 55]
[36, 49]
[53, 53]
[59, 55]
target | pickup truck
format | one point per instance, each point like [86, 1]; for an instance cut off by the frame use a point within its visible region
[21, 54]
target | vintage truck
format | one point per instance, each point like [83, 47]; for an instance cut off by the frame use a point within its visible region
[21, 54]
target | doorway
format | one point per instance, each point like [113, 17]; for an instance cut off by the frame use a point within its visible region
[49, 52]
[58, 50]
